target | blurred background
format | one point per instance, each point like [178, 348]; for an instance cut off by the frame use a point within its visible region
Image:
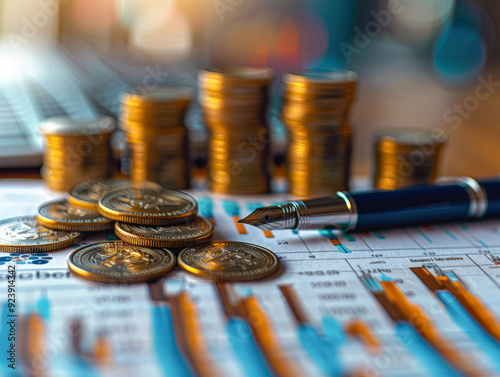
[423, 64]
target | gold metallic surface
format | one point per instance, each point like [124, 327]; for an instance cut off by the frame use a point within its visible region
[406, 158]
[147, 206]
[234, 103]
[61, 215]
[119, 263]
[24, 234]
[315, 113]
[229, 261]
[195, 232]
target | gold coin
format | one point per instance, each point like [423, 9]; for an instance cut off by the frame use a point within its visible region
[87, 194]
[61, 215]
[148, 206]
[23, 234]
[229, 261]
[192, 233]
[120, 263]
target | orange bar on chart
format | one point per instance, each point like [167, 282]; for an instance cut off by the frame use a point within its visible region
[239, 227]
[470, 302]
[102, 350]
[268, 233]
[362, 330]
[475, 307]
[193, 336]
[421, 322]
[35, 335]
[335, 242]
[282, 364]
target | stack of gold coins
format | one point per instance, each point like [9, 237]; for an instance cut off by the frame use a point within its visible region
[315, 113]
[234, 103]
[406, 158]
[157, 135]
[76, 151]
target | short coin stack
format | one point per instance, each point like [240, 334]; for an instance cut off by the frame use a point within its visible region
[157, 135]
[234, 103]
[76, 151]
[315, 113]
[406, 158]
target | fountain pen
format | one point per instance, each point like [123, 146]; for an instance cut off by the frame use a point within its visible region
[465, 199]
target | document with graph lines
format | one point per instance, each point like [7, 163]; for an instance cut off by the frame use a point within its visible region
[415, 301]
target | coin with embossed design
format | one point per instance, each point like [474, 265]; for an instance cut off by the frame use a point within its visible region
[26, 235]
[61, 215]
[120, 263]
[87, 194]
[147, 206]
[191, 233]
[229, 261]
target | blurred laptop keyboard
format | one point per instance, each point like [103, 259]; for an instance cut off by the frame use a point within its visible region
[60, 88]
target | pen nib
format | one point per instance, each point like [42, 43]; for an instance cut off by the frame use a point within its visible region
[269, 218]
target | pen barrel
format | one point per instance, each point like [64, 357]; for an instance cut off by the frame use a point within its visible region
[415, 205]
[492, 190]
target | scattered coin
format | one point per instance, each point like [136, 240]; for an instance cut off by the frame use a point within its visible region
[120, 263]
[23, 234]
[87, 194]
[147, 206]
[61, 215]
[192, 233]
[229, 261]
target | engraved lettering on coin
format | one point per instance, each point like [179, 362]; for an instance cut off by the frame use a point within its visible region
[147, 206]
[87, 194]
[118, 262]
[226, 258]
[229, 261]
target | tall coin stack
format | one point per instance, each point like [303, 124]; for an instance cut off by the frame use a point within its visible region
[157, 135]
[234, 103]
[406, 158]
[315, 112]
[76, 151]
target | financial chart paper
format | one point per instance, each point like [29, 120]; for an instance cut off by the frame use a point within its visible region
[416, 301]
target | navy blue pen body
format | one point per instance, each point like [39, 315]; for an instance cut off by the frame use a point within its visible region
[415, 205]
[492, 191]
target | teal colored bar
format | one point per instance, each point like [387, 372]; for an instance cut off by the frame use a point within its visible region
[349, 237]
[43, 306]
[231, 208]
[328, 233]
[474, 330]
[423, 234]
[333, 331]
[246, 350]
[379, 235]
[322, 352]
[423, 351]
[166, 347]
[206, 207]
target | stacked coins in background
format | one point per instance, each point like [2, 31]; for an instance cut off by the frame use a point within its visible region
[157, 135]
[76, 151]
[234, 103]
[315, 112]
[406, 158]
